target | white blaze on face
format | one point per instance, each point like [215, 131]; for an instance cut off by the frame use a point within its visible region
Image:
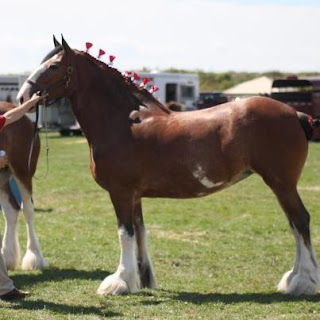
[200, 175]
[25, 88]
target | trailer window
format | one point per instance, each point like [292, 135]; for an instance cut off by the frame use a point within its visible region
[187, 92]
[171, 92]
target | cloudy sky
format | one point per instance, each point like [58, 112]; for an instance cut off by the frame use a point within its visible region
[212, 35]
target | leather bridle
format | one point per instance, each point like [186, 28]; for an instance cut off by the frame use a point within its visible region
[65, 82]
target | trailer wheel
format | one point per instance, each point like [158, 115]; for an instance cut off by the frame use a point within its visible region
[77, 132]
[65, 133]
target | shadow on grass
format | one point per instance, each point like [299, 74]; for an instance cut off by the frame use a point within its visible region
[231, 298]
[163, 296]
[54, 274]
[43, 210]
[62, 308]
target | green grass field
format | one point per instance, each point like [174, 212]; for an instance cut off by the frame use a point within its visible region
[218, 257]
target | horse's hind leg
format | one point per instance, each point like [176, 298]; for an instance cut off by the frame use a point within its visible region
[147, 277]
[10, 242]
[33, 259]
[304, 277]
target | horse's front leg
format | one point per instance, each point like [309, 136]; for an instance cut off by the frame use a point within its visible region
[33, 258]
[10, 242]
[126, 279]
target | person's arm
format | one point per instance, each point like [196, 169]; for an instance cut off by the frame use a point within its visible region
[18, 112]
[3, 161]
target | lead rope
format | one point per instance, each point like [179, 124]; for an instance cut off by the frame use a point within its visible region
[33, 140]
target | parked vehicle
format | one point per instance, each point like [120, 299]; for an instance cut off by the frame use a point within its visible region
[9, 86]
[180, 87]
[210, 99]
[301, 94]
[60, 116]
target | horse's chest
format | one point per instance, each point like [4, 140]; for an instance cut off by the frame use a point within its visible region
[108, 165]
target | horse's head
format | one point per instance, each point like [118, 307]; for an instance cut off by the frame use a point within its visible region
[53, 76]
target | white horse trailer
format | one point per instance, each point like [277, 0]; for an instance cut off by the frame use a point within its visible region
[180, 87]
[9, 87]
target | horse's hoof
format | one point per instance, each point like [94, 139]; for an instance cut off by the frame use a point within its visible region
[33, 260]
[300, 283]
[115, 285]
[285, 281]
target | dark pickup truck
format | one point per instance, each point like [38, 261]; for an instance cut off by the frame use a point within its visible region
[301, 94]
[210, 99]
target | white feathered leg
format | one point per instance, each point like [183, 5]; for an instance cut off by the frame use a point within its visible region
[126, 278]
[10, 243]
[33, 259]
[287, 277]
[304, 277]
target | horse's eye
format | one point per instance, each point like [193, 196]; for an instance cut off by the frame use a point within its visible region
[54, 67]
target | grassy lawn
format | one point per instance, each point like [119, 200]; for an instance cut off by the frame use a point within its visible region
[218, 257]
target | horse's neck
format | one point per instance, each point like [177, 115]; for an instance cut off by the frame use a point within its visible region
[101, 119]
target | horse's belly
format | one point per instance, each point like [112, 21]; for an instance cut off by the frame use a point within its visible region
[198, 185]
[178, 193]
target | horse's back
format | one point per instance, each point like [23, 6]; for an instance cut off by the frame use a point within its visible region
[258, 120]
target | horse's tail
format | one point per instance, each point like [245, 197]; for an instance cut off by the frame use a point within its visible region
[308, 124]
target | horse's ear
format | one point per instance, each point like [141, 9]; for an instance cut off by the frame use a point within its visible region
[56, 42]
[65, 46]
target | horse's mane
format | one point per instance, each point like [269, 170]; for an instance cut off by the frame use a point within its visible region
[51, 53]
[141, 95]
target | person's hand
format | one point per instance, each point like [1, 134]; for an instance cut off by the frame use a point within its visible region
[34, 100]
[37, 97]
[3, 161]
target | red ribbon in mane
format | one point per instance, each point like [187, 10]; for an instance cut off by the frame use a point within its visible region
[101, 53]
[144, 82]
[153, 89]
[127, 73]
[111, 58]
[135, 77]
[88, 46]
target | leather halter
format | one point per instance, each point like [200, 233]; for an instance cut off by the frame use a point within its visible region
[63, 82]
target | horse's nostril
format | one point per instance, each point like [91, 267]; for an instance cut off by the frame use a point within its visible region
[21, 100]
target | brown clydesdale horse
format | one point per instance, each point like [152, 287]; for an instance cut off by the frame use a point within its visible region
[139, 148]
[16, 140]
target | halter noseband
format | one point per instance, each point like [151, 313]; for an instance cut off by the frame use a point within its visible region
[63, 82]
